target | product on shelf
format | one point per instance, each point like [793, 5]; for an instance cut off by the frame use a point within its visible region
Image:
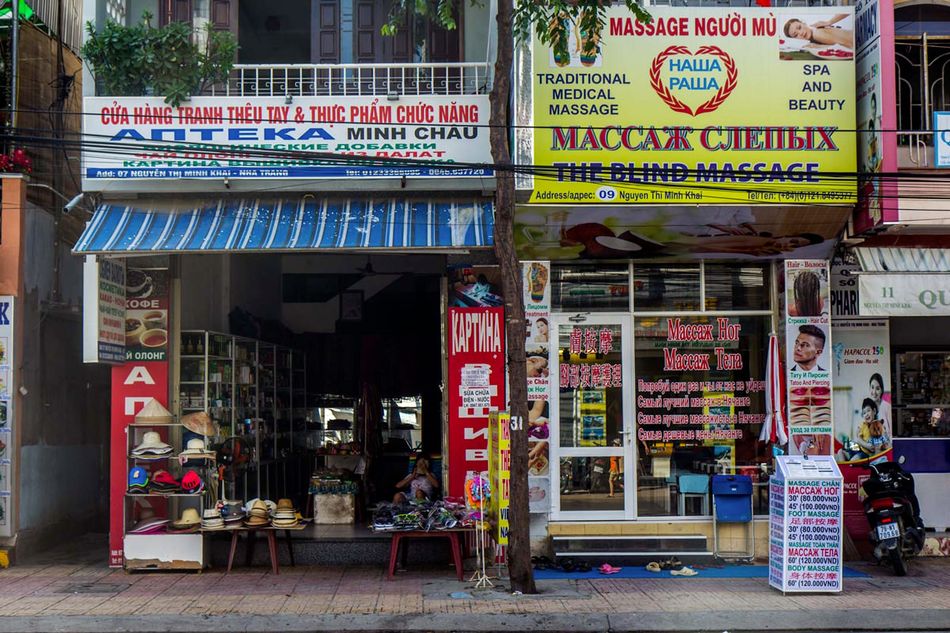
[151, 444]
[285, 516]
[138, 481]
[163, 482]
[212, 519]
[153, 413]
[195, 448]
[258, 515]
[200, 423]
[191, 483]
[189, 521]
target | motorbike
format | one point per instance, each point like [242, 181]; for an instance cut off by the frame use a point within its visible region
[893, 513]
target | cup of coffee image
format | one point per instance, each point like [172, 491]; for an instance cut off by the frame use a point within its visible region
[154, 338]
[134, 328]
[154, 320]
[138, 284]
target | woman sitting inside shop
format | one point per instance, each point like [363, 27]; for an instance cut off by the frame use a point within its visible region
[422, 484]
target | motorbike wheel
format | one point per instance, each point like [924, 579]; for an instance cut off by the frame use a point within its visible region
[897, 560]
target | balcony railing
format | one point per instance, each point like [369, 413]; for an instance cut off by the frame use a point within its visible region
[347, 80]
[923, 71]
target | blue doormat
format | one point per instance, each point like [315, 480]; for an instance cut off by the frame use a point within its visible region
[638, 571]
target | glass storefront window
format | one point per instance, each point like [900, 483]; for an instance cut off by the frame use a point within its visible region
[601, 288]
[736, 286]
[700, 403]
[666, 287]
[590, 379]
[586, 484]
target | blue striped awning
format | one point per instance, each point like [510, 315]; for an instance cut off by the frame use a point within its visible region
[282, 224]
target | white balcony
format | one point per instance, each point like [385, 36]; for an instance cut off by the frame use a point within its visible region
[355, 80]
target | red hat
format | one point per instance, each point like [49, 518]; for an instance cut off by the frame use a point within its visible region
[191, 482]
[164, 478]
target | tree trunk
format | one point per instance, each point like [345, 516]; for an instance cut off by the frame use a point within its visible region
[519, 539]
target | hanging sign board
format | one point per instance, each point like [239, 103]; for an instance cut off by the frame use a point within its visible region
[103, 320]
[888, 294]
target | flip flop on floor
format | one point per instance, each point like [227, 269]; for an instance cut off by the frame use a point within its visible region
[654, 566]
[684, 571]
[607, 569]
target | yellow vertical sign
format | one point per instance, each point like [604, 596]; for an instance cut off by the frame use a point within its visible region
[499, 473]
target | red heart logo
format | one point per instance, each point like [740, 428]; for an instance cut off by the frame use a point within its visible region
[729, 65]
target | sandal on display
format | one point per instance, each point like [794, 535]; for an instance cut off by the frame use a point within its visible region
[654, 566]
[684, 571]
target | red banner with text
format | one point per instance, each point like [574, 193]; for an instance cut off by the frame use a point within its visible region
[476, 384]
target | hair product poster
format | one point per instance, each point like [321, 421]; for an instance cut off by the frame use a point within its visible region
[861, 368]
[808, 356]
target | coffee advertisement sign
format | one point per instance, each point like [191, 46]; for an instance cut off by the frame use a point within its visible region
[146, 314]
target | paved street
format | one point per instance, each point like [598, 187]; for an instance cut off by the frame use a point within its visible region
[88, 596]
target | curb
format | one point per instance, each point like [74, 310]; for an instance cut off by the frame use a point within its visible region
[930, 620]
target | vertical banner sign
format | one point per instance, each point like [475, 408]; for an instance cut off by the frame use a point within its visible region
[808, 356]
[499, 473]
[6, 414]
[805, 534]
[103, 323]
[476, 388]
[537, 309]
[877, 113]
[142, 377]
[863, 418]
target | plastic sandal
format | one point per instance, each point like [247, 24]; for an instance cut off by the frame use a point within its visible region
[684, 571]
[654, 566]
[608, 569]
[582, 566]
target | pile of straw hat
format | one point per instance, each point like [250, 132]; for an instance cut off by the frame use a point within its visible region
[285, 516]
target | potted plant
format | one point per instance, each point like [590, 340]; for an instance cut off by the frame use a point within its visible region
[142, 60]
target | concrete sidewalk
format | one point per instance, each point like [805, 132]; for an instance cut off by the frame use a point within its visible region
[56, 596]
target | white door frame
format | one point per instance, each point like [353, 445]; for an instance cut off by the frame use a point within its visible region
[628, 450]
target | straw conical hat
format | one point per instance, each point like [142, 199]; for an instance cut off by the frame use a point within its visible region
[200, 423]
[153, 413]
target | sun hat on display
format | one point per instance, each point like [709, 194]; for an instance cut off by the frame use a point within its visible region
[191, 483]
[258, 515]
[200, 423]
[285, 515]
[189, 519]
[152, 444]
[153, 413]
[138, 480]
[149, 526]
[196, 446]
[211, 520]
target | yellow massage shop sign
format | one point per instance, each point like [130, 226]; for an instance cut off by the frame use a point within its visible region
[699, 106]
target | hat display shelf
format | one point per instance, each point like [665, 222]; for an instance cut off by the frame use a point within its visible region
[149, 438]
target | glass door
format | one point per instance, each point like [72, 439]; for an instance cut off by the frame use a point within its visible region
[592, 452]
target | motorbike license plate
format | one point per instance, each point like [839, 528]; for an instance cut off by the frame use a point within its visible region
[886, 531]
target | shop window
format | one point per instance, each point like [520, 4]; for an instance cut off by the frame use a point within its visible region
[586, 484]
[736, 287]
[591, 288]
[923, 386]
[666, 287]
[590, 379]
[700, 402]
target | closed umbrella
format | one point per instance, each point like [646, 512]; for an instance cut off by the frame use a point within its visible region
[773, 430]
